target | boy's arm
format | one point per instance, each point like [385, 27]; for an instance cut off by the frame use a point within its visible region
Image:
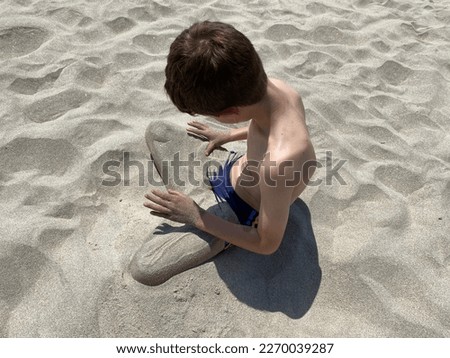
[272, 220]
[235, 134]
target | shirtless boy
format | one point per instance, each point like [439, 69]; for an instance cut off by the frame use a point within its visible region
[214, 70]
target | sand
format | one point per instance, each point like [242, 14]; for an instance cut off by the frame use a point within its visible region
[367, 253]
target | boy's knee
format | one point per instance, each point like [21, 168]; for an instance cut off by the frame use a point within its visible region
[142, 271]
[164, 256]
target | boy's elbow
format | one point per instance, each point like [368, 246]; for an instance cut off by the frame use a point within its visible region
[268, 251]
[269, 247]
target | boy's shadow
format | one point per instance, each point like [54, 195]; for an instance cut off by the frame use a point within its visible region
[287, 281]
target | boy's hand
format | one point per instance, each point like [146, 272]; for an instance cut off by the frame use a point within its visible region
[215, 137]
[174, 206]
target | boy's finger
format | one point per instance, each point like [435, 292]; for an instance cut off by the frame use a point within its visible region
[196, 124]
[161, 194]
[196, 133]
[209, 149]
[157, 208]
[151, 196]
[173, 192]
[156, 213]
[157, 200]
[193, 130]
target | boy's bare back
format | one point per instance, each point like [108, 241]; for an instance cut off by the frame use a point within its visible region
[283, 144]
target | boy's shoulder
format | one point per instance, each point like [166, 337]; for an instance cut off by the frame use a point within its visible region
[286, 87]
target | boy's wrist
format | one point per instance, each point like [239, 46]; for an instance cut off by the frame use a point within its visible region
[226, 137]
[199, 224]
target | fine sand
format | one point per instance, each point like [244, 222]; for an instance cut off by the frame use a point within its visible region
[367, 248]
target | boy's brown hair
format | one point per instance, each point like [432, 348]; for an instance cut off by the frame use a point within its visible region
[211, 67]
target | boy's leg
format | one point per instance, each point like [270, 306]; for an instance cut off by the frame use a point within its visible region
[179, 157]
[180, 160]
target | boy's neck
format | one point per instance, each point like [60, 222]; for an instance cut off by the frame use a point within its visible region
[261, 112]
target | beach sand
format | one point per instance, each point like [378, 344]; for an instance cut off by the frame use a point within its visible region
[367, 250]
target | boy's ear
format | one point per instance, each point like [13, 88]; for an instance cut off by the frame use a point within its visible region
[229, 110]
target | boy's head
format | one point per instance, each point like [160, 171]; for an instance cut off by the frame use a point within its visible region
[211, 67]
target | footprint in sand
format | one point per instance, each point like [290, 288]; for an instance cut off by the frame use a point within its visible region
[30, 86]
[121, 24]
[89, 132]
[318, 63]
[329, 35]
[400, 179]
[152, 79]
[21, 40]
[151, 43]
[20, 267]
[380, 46]
[49, 156]
[52, 107]
[280, 32]
[317, 8]
[40, 195]
[67, 16]
[53, 237]
[62, 211]
[141, 14]
[383, 106]
[127, 60]
[92, 76]
[393, 72]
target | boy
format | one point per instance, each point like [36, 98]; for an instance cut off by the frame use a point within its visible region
[214, 70]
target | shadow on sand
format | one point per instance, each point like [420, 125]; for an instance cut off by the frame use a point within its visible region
[287, 281]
